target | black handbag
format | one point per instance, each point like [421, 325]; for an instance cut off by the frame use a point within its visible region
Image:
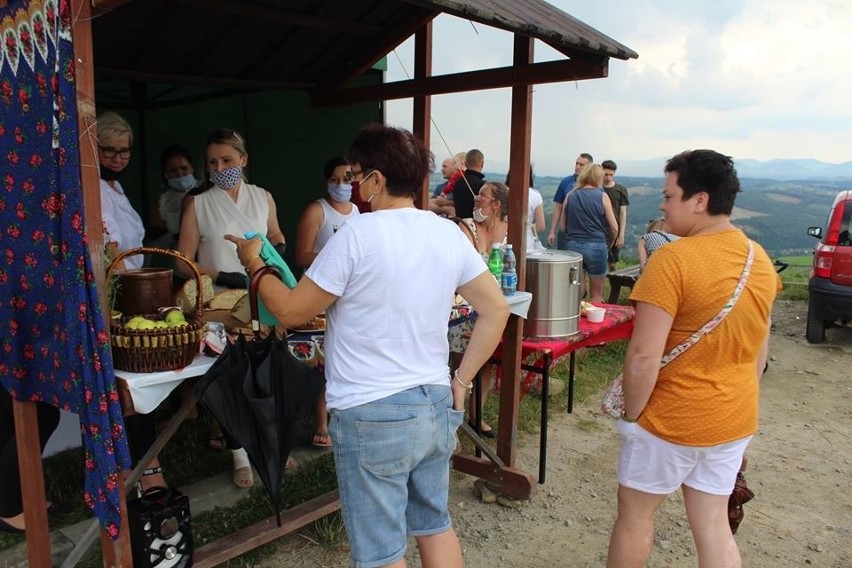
[160, 529]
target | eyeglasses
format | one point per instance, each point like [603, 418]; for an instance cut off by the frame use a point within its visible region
[350, 175]
[110, 152]
[481, 197]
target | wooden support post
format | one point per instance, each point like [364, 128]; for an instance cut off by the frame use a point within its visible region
[115, 553]
[32, 484]
[519, 159]
[423, 104]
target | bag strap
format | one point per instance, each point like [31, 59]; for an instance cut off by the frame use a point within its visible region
[663, 235]
[252, 294]
[684, 345]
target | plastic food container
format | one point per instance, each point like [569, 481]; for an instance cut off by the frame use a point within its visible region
[595, 315]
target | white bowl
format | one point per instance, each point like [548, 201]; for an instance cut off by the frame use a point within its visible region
[595, 315]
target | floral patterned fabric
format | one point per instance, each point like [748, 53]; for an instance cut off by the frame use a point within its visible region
[54, 344]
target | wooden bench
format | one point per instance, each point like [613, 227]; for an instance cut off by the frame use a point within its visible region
[623, 277]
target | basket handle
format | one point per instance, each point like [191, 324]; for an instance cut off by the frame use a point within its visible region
[199, 297]
[252, 293]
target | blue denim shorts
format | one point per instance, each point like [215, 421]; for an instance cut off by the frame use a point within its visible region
[594, 256]
[392, 458]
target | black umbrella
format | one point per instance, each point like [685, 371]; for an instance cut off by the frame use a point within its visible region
[257, 390]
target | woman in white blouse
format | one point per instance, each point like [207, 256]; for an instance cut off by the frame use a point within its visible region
[123, 225]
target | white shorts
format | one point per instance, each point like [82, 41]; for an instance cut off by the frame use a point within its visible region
[652, 465]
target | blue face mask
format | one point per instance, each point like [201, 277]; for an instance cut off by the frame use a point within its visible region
[182, 183]
[227, 178]
[341, 192]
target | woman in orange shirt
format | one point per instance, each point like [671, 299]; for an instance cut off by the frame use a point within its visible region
[687, 425]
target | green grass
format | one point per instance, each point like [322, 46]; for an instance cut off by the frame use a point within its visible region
[795, 277]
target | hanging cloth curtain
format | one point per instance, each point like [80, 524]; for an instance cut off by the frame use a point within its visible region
[53, 343]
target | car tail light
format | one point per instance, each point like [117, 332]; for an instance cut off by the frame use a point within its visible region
[833, 235]
[822, 260]
[824, 252]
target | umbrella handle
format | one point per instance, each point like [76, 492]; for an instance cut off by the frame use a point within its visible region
[252, 294]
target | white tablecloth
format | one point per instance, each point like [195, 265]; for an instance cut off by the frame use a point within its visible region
[519, 303]
[148, 390]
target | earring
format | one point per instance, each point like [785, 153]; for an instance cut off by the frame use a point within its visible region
[372, 195]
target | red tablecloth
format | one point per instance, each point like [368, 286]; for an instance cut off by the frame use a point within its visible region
[617, 324]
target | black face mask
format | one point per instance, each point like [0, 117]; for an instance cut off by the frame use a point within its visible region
[108, 174]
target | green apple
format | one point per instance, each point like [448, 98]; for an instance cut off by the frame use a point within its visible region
[175, 317]
[133, 323]
[146, 324]
[135, 319]
[160, 324]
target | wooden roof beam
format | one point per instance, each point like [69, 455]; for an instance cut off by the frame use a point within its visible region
[576, 69]
[349, 70]
[281, 15]
[220, 82]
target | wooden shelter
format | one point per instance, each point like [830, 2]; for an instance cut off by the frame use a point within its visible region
[320, 47]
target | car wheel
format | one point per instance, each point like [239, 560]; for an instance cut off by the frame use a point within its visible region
[815, 331]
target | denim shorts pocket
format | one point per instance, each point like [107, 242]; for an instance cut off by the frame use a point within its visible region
[387, 448]
[454, 420]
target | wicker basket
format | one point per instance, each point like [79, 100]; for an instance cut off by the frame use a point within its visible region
[159, 349]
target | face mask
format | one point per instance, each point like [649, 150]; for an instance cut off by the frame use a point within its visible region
[183, 183]
[341, 192]
[479, 216]
[227, 178]
[356, 186]
[109, 175]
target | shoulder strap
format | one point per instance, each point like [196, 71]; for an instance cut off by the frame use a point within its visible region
[663, 235]
[684, 345]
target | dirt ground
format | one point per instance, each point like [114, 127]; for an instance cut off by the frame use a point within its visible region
[800, 467]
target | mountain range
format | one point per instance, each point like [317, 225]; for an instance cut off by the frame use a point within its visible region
[781, 169]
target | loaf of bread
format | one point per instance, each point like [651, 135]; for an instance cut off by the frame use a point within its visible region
[226, 299]
[242, 309]
[186, 296]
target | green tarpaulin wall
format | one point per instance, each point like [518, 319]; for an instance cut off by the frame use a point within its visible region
[288, 140]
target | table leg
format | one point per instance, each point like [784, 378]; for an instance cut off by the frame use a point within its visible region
[542, 441]
[571, 383]
[614, 291]
[476, 411]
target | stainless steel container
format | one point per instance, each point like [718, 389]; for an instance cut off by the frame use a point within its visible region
[554, 278]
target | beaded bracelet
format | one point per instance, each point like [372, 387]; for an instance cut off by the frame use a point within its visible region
[468, 386]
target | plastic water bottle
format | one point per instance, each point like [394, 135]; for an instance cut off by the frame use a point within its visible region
[509, 280]
[495, 262]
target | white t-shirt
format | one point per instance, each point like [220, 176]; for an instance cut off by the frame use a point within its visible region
[122, 222]
[395, 273]
[532, 236]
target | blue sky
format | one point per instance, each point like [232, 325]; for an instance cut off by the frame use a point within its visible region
[760, 79]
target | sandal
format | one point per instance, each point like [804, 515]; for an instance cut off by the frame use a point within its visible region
[216, 443]
[243, 477]
[321, 440]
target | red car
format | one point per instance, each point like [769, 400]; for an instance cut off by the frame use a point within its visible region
[830, 279]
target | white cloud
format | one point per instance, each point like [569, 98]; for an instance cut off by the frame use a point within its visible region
[756, 79]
